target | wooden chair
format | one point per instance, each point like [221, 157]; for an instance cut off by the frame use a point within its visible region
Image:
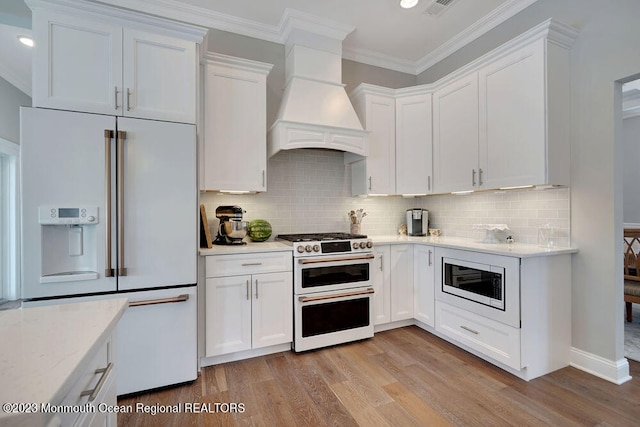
[631, 269]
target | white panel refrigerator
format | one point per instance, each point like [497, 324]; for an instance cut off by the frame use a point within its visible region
[109, 207]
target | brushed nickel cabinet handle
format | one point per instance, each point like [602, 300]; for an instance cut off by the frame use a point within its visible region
[248, 264]
[93, 393]
[381, 268]
[429, 183]
[473, 177]
[122, 136]
[179, 298]
[248, 292]
[369, 183]
[263, 178]
[115, 97]
[128, 100]
[108, 136]
[430, 253]
[256, 288]
[466, 328]
[479, 177]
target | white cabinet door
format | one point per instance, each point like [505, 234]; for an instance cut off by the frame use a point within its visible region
[513, 131]
[159, 77]
[424, 292]
[382, 284]
[77, 63]
[455, 136]
[84, 63]
[414, 145]
[376, 173]
[401, 282]
[272, 319]
[227, 315]
[235, 134]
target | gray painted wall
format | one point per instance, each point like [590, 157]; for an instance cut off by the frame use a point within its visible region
[11, 99]
[606, 51]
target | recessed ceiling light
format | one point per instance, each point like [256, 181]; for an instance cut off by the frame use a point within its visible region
[26, 40]
[408, 3]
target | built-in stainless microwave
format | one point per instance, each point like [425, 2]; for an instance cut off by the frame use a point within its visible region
[481, 283]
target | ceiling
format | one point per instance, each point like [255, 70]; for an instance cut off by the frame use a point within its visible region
[384, 34]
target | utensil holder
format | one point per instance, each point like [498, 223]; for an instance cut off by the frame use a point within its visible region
[355, 228]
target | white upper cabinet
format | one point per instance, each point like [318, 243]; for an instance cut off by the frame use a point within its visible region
[503, 120]
[520, 142]
[455, 136]
[99, 59]
[376, 173]
[235, 124]
[414, 145]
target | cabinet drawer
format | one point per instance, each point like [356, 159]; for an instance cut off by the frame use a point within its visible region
[250, 263]
[494, 339]
[94, 376]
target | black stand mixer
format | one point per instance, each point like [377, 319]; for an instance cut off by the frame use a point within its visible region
[232, 228]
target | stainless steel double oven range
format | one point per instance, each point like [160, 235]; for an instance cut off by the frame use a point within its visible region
[333, 288]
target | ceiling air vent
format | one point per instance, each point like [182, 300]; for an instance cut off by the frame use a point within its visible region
[438, 7]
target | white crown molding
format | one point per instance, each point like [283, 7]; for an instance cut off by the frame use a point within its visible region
[173, 9]
[477, 29]
[238, 63]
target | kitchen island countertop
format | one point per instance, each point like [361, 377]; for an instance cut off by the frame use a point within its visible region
[520, 250]
[44, 346]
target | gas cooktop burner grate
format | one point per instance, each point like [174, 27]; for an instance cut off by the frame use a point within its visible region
[316, 237]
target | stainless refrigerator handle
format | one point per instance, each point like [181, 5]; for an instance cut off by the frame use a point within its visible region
[122, 136]
[108, 136]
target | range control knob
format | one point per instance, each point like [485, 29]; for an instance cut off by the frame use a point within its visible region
[355, 245]
[316, 248]
[307, 248]
[91, 218]
[363, 245]
[300, 249]
[369, 245]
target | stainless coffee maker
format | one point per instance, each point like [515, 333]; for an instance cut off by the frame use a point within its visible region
[417, 222]
[232, 228]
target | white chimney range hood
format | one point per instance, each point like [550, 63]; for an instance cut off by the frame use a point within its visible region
[315, 111]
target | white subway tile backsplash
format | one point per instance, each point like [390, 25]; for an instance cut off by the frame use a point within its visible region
[310, 191]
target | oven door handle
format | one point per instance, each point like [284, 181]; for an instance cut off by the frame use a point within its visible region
[334, 259]
[334, 296]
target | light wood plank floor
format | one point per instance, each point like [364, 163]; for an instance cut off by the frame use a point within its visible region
[403, 377]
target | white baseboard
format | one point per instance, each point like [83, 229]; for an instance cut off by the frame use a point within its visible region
[616, 371]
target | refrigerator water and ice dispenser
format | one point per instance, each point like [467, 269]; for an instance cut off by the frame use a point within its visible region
[68, 243]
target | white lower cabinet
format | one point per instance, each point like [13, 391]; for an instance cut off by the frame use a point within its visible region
[95, 385]
[248, 311]
[382, 284]
[498, 341]
[423, 284]
[393, 283]
[401, 282]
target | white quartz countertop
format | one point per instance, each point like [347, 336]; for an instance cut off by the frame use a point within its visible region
[519, 250]
[250, 247]
[42, 347]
